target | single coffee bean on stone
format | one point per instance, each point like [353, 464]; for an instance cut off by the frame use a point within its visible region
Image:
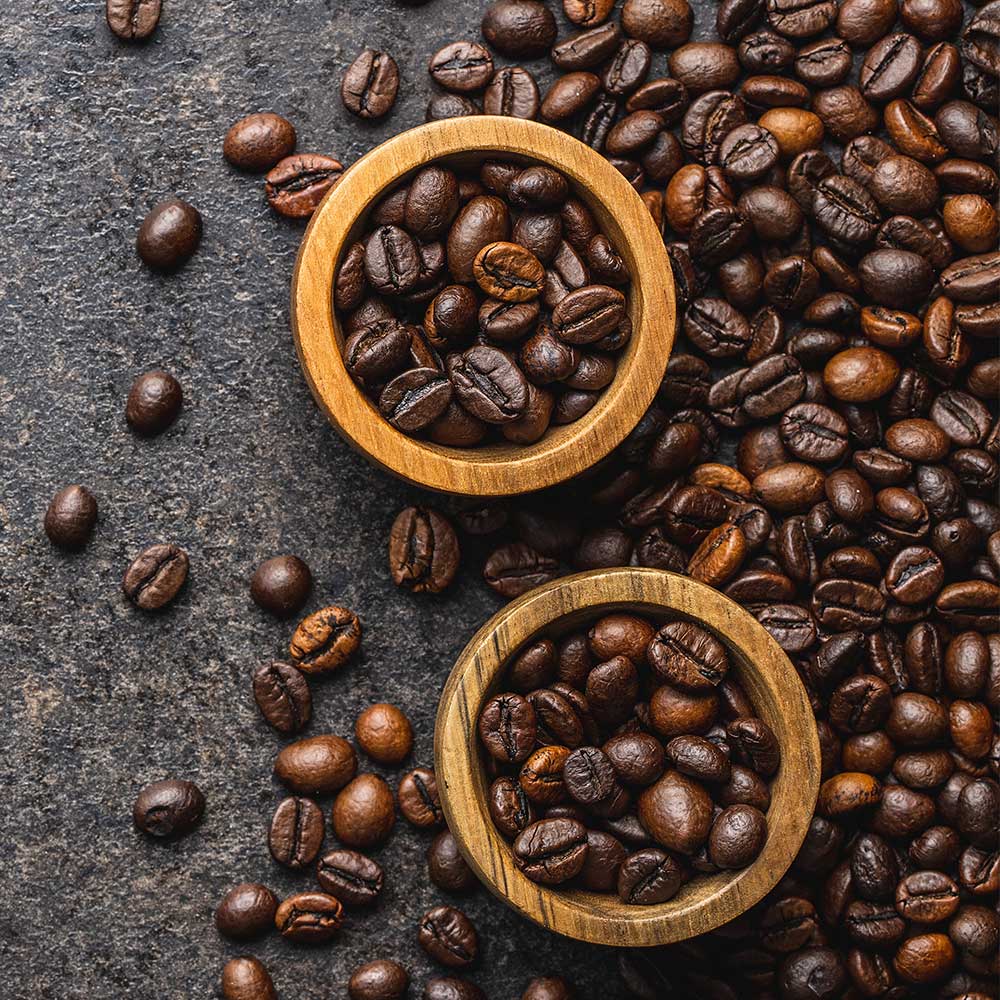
[70, 517]
[169, 235]
[281, 585]
[168, 808]
[325, 640]
[370, 84]
[364, 812]
[382, 979]
[153, 403]
[246, 978]
[156, 576]
[133, 20]
[356, 880]
[448, 936]
[423, 550]
[309, 918]
[296, 833]
[283, 697]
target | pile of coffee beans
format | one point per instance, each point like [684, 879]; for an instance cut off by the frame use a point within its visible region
[629, 759]
[482, 305]
[824, 446]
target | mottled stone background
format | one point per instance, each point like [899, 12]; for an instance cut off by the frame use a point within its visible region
[97, 697]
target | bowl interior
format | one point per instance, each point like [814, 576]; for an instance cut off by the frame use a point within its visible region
[495, 469]
[772, 686]
[502, 451]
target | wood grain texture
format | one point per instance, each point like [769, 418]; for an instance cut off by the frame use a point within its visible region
[496, 469]
[757, 662]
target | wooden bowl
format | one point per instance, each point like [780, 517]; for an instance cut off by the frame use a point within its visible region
[759, 664]
[494, 469]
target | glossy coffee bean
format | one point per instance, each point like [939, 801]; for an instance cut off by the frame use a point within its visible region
[449, 937]
[297, 184]
[153, 403]
[70, 517]
[352, 877]
[168, 808]
[551, 851]
[247, 979]
[246, 912]
[370, 84]
[259, 142]
[296, 833]
[156, 576]
[169, 235]
[423, 550]
[281, 585]
[132, 20]
[316, 765]
[325, 640]
[309, 918]
[283, 697]
[382, 979]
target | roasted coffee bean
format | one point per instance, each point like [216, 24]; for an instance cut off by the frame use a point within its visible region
[418, 798]
[551, 851]
[384, 733]
[513, 93]
[364, 812]
[737, 836]
[370, 84]
[325, 640]
[70, 517]
[510, 809]
[677, 812]
[637, 758]
[423, 550]
[156, 576]
[449, 937]
[446, 867]
[168, 808]
[246, 978]
[317, 765]
[351, 877]
[259, 142]
[416, 398]
[133, 20]
[379, 980]
[688, 656]
[649, 876]
[281, 585]
[296, 833]
[246, 912]
[452, 988]
[296, 185]
[154, 402]
[521, 29]
[309, 917]
[513, 569]
[507, 728]
[170, 233]
[463, 67]
[283, 697]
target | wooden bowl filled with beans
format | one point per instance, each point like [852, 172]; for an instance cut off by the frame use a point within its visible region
[626, 757]
[483, 306]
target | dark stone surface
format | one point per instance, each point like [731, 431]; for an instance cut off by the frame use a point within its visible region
[98, 697]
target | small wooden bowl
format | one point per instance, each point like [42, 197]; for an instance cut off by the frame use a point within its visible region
[496, 469]
[761, 667]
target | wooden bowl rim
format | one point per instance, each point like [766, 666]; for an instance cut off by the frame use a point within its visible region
[599, 918]
[501, 469]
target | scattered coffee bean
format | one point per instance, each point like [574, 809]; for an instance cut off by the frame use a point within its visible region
[259, 142]
[169, 235]
[168, 808]
[384, 733]
[281, 585]
[370, 84]
[283, 697]
[70, 517]
[246, 912]
[133, 20]
[156, 576]
[153, 403]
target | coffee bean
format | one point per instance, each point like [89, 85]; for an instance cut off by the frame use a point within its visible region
[325, 640]
[246, 912]
[259, 142]
[664, 24]
[513, 93]
[423, 550]
[737, 836]
[520, 29]
[449, 937]
[70, 517]
[169, 808]
[296, 185]
[551, 851]
[317, 765]
[156, 576]
[418, 798]
[463, 67]
[296, 833]
[382, 979]
[649, 876]
[507, 728]
[451, 988]
[446, 867]
[384, 733]
[281, 585]
[927, 897]
[677, 812]
[351, 877]
[247, 979]
[370, 84]
[169, 235]
[309, 917]
[133, 20]
[364, 812]
[283, 697]
[153, 403]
